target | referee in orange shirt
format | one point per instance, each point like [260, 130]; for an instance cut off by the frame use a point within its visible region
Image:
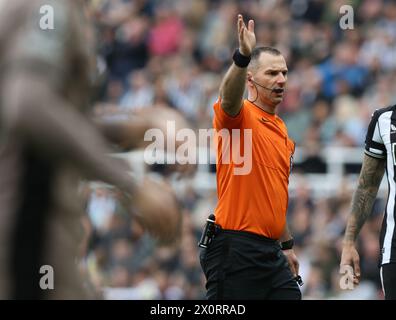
[251, 255]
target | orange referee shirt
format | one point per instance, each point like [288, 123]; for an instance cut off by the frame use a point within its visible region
[257, 201]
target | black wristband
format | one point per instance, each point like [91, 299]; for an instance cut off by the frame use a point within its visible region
[240, 60]
[287, 245]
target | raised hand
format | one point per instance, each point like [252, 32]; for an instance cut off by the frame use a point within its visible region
[247, 38]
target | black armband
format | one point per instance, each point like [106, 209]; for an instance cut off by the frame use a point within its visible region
[287, 245]
[240, 60]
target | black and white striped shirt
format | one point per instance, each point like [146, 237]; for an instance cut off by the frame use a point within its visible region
[381, 143]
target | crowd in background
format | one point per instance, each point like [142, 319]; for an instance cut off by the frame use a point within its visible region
[173, 54]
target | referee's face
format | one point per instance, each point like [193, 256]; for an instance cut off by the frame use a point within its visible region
[271, 73]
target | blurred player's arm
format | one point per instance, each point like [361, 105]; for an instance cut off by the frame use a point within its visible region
[43, 118]
[127, 134]
[33, 112]
[233, 84]
[36, 67]
[127, 131]
[370, 179]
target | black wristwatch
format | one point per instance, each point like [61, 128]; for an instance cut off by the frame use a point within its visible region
[240, 60]
[287, 245]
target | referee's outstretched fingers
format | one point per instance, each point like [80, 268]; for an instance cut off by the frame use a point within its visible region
[246, 36]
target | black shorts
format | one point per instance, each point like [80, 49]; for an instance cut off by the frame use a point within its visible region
[242, 265]
[388, 277]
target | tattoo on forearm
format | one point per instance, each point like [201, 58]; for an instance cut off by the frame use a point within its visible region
[363, 198]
